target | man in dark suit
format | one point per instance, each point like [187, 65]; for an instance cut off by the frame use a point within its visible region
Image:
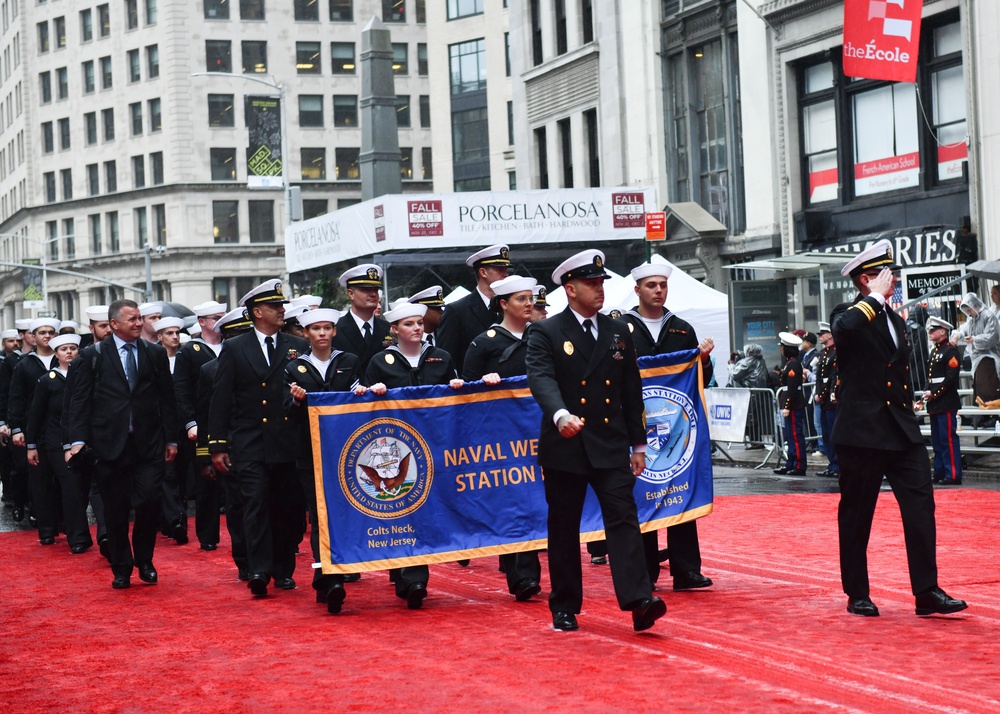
[656, 330]
[359, 331]
[122, 408]
[248, 430]
[583, 373]
[471, 316]
[876, 434]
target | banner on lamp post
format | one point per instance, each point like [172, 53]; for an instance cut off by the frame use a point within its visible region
[882, 39]
[34, 298]
[264, 152]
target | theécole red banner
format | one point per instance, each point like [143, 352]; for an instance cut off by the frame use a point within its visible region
[881, 39]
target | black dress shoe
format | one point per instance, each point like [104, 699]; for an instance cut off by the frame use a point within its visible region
[77, 549]
[795, 472]
[464, 563]
[243, 575]
[646, 612]
[415, 595]
[284, 583]
[121, 582]
[147, 573]
[209, 546]
[664, 555]
[102, 545]
[782, 471]
[180, 533]
[691, 581]
[335, 598]
[565, 621]
[862, 606]
[937, 602]
[525, 589]
[598, 560]
[258, 584]
[352, 577]
[47, 540]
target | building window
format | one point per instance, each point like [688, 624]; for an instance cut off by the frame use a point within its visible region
[45, 86]
[108, 119]
[251, 9]
[587, 19]
[48, 138]
[510, 123]
[468, 66]
[542, 147]
[948, 102]
[153, 61]
[155, 115]
[110, 176]
[341, 11]
[93, 179]
[156, 163]
[593, 147]
[345, 109]
[160, 224]
[69, 238]
[225, 222]
[464, 8]
[536, 32]
[313, 164]
[420, 6]
[425, 111]
[104, 20]
[141, 227]
[422, 59]
[88, 77]
[313, 207]
[220, 110]
[131, 14]
[261, 221]
[138, 171]
[426, 166]
[59, 25]
[306, 10]
[216, 9]
[90, 128]
[218, 56]
[86, 25]
[134, 68]
[43, 37]
[400, 63]
[562, 44]
[406, 163]
[52, 234]
[403, 110]
[152, 12]
[342, 57]
[62, 83]
[819, 133]
[114, 238]
[506, 53]
[50, 186]
[135, 112]
[223, 162]
[307, 60]
[67, 184]
[512, 180]
[254, 57]
[310, 110]
[105, 72]
[64, 135]
[393, 10]
[348, 167]
[94, 220]
[470, 137]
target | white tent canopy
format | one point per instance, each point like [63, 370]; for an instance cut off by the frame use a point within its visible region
[705, 308]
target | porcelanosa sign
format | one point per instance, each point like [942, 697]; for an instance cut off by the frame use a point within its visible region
[410, 222]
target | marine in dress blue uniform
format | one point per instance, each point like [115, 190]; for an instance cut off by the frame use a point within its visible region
[793, 406]
[943, 402]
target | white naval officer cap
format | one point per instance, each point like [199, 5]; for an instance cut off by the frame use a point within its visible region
[67, 339]
[167, 322]
[498, 254]
[585, 264]
[294, 312]
[150, 308]
[512, 284]
[650, 270]
[97, 313]
[790, 340]
[405, 310]
[320, 314]
[234, 320]
[210, 308]
[267, 291]
[431, 297]
[876, 256]
[366, 275]
[936, 322]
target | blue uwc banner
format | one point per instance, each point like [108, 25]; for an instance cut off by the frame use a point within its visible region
[430, 474]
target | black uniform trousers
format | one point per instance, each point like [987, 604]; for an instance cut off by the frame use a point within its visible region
[175, 489]
[682, 542]
[271, 517]
[131, 482]
[909, 475]
[44, 493]
[207, 497]
[72, 487]
[229, 484]
[565, 492]
[321, 583]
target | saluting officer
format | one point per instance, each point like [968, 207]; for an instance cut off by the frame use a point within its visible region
[943, 402]
[793, 406]
[360, 331]
[468, 317]
[583, 373]
[248, 429]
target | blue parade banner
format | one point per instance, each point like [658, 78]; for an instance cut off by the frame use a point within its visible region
[431, 474]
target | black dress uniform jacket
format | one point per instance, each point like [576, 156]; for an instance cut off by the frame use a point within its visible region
[6, 374]
[341, 375]
[44, 428]
[187, 368]
[791, 379]
[22, 390]
[827, 378]
[350, 339]
[496, 350]
[390, 367]
[942, 377]
[675, 335]
[461, 322]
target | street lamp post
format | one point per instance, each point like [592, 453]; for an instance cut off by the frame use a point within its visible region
[273, 84]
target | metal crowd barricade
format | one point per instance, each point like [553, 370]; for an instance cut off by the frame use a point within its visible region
[763, 428]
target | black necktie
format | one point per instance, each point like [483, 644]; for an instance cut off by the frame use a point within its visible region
[269, 341]
[368, 332]
[589, 338]
[133, 365]
[430, 340]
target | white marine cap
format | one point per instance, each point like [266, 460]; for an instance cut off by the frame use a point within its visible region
[647, 270]
[498, 254]
[513, 284]
[267, 291]
[8, 335]
[320, 314]
[878, 256]
[407, 309]
[69, 323]
[42, 322]
[823, 327]
[97, 313]
[70, 338]
[310, 301]
[166, 322]
[185, 338]
[151, 308]
[210, 308]
[431, 297]
[790, 340]
[933, 322]
[23, 324]
[366, 275]
[585, 264]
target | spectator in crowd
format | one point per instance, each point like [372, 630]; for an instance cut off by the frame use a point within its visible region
[981, 336]
[751, 372]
